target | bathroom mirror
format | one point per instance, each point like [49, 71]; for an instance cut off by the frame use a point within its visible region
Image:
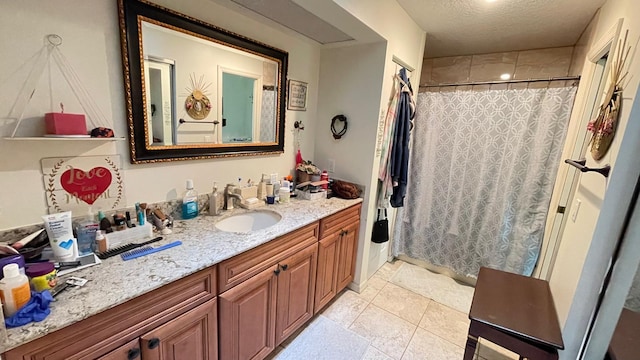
[196, 91]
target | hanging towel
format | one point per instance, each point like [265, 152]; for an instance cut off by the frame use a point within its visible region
[400, 149]
[384, 173]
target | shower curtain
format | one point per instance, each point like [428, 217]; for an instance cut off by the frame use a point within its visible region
[481, 173]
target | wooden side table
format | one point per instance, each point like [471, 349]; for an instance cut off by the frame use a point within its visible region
[516, 312]
[624, 344]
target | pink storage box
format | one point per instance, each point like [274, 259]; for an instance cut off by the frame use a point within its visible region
[65, 124]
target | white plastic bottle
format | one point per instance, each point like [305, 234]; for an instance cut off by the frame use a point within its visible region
[14, 289]
[213, 201]
[190, 202]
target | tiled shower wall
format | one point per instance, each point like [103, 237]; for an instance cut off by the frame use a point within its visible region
[522, 65]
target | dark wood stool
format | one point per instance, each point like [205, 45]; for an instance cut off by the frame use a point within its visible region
[624, 344]
[516, 312]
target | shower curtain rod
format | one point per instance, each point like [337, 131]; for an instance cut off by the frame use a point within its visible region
[561, 78]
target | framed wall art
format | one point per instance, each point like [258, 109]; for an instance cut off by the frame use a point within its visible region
[297, 99]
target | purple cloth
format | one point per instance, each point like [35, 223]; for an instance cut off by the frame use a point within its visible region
[36, 310]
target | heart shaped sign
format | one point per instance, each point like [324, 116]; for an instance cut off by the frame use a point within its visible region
[86, 185]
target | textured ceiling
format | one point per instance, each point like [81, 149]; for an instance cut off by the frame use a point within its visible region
[464, 27]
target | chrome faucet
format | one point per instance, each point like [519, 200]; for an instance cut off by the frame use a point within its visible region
[228, 193]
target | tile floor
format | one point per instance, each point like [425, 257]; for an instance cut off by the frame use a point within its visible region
[406, 312]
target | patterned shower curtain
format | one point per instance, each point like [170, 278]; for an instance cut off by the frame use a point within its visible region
[481, 173]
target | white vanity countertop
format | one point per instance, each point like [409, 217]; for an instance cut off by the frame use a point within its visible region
[116, 281]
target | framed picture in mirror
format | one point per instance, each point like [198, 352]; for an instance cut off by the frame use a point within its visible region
[297, 92]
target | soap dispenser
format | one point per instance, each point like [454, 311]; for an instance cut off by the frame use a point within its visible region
[213, 201]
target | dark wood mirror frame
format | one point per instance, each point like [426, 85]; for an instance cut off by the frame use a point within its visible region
[129, 13]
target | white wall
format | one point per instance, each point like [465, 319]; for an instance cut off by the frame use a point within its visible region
[588, 242]
[92, 46]
[351, 82]
[405, 40]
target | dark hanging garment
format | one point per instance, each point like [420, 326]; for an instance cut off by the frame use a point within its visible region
[400, 150]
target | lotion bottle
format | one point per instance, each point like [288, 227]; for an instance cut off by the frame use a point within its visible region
[190, 202]
[262, 188]
[213, 201]
[14, 289]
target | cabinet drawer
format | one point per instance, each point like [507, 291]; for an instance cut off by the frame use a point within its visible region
[113, 328]
[241, 267]
[335, 222]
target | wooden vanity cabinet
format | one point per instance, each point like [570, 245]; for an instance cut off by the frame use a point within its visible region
[128, 351]
[185, 308]
[261, 311]
[264, 295]
[296, 290]
[192, 335]
[337, 250]
[248, 317]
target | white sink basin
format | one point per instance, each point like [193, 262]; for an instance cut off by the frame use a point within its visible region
[247, 222]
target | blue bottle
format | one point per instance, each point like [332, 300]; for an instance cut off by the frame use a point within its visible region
[190, 202]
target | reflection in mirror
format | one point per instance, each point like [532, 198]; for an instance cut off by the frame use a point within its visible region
[160, 100]
[241, 109]
[196, 91]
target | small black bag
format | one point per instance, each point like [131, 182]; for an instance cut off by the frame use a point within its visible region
[380, 229]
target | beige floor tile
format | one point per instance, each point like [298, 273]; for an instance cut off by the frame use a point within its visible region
[437, 287]
[374, 285]
[401, 302]
[387, 332]
[346, 308]
[388, 269]
[327, 340]
[427, 346]
[446, 322]
[490, 351]
[374, 354]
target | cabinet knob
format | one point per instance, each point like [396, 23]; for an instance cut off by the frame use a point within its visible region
[342, 232]
[133, 354]
[153, 343]
[277, 271]
[284, 267]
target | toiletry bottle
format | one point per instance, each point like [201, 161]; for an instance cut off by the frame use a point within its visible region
[262, 188]
[213, 201]
[190, 202]
[14, 289]
[101, 241]
[325, 177]
[140, 215]
[276, 190]
[86, 234]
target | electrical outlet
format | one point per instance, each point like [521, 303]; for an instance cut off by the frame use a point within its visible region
[576, 208]
[332, 165]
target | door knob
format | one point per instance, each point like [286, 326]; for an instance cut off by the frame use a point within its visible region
[153, 343]
[133, 354]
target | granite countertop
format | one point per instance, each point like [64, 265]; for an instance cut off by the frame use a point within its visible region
[116, 281]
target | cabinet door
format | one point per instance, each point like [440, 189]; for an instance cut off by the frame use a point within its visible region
[327, 277]
[248, 318]
[347, 258]
[296, 285]
[128, 351]
[192, 335]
